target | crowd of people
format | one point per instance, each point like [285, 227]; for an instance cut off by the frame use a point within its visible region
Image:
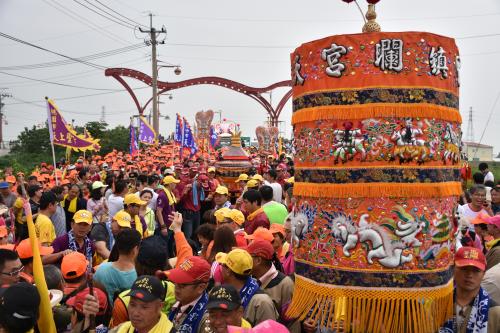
[145, 244]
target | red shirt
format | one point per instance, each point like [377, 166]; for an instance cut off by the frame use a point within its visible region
[186, 200]
[255, 220]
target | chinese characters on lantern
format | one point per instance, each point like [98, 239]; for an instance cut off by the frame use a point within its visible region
[389, 55]
[297, 77]
[437, 62]
[332, 56]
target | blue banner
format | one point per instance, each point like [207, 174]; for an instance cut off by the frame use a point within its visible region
[147, 134]
[178, 130]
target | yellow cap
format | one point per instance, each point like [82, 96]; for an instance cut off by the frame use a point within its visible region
[222, 213]
[237, 216]
[290, 180]
[242, 177]
[83, 216]
[132, 198]
[258, 177]
[238, 260]
[252, 183]
[221, 190]
[211, 169]
[169, 180]
[123, 219]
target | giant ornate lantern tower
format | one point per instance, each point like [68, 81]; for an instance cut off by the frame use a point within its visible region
[377, 132]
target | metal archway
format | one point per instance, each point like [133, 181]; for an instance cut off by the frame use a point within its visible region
[252, 92]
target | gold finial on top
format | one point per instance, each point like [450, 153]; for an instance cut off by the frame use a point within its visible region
[371, 25]
[236, 138]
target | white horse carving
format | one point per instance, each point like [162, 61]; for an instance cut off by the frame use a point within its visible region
[389, 255]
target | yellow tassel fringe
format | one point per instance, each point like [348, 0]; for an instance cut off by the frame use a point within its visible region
[375, 190]
[376, 110]
[372, 310]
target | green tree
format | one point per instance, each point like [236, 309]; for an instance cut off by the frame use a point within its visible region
[33, 145]
[31, 148]
[116, 138]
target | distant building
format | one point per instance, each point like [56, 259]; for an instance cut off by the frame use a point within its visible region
[478, 151]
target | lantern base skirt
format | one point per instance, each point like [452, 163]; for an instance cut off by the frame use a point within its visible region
[372, 309]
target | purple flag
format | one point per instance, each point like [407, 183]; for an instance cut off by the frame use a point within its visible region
[62, 134]
[134, 145]
[147, 134]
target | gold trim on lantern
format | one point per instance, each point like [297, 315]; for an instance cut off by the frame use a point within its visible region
[376, 190]
[374, 110]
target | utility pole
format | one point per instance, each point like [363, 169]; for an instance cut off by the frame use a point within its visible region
[103, 114]
[470, 127]
[2, 96]
[153, 41]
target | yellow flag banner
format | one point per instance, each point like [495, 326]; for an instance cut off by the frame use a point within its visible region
[45, 320]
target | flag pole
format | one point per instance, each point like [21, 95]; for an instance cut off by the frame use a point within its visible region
[182, 139]
[51, 135]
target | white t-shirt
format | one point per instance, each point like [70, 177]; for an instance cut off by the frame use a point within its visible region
[115, 204]
[277, 192]
[489, 177]
[153, 201]
[468, 214]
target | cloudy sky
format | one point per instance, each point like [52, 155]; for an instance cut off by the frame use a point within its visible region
[249, 42]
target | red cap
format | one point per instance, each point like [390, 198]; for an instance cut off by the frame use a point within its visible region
[77, 301]
[470, 256]
[193, 269]
[261, 248]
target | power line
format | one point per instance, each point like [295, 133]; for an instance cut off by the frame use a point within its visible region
[126, 25]
[57, 83]
[315, 20]
[81, 96]
[47, 50]
[114, 11]
[478, 36]
[60, 36]
[75, 16]
[42, 105]
[109, 14]
[65, 77]
[287, 46]
[68, 62]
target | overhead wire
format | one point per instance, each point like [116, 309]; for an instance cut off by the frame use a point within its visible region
[126, 24]
[315, 20]
[66, 77]
[67, 62]
[106, 13]
[44, 106]
[57, 83]
[77, 17]
[114, 11]
[83, 96]
[50, 51]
